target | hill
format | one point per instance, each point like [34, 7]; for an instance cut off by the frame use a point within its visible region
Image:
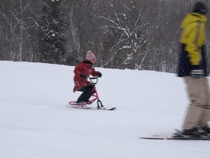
[36, 121]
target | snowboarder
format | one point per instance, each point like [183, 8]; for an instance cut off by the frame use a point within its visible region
[82, 71]
[192, 67]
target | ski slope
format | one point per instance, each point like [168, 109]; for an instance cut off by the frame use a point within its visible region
[36, 121]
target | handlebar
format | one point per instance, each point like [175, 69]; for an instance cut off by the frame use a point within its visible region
[94, 80]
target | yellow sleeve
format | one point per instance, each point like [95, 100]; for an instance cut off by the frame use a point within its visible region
[192, 47]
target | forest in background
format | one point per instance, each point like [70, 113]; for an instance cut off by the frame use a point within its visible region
[123, 34]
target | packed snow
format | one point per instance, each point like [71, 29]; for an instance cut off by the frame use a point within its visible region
[37, 122]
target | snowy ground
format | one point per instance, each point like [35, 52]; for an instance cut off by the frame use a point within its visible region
[36, 122]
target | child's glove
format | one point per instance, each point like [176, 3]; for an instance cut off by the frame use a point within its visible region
[196, 72]
[99, 74]
[83, 76]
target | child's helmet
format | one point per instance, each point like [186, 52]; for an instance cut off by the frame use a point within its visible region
[91, 57]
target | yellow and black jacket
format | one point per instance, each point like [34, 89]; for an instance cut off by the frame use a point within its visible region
[192, 44]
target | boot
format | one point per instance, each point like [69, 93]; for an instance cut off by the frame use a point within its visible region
[205, 130]
[188, 133]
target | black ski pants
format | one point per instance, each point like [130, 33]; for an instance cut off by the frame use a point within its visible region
[85, 96]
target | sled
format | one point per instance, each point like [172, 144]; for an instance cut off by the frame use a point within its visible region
[94, 96]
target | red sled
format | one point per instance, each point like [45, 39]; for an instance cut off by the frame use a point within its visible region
[94, 96]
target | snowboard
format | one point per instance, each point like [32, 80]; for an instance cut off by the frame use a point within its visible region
[177, 136]
[174, 138]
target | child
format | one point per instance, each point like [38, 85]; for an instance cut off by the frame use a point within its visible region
[82, 71]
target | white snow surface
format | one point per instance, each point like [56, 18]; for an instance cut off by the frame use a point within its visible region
[37, 122]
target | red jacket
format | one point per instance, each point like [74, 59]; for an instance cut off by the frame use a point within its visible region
[85, 67]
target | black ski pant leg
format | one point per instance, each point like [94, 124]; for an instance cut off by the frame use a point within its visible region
[85, 96]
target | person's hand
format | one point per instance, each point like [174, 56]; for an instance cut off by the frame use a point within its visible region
[83, 76]
[99, 74]
[196, 72]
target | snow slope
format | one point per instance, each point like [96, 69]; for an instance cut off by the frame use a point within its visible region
[36, 121]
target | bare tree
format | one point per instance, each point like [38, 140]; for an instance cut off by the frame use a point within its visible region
[20, 21]
[124, 27]
[135, 34]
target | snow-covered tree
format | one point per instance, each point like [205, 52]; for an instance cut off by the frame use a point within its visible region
[126, 30]
[51, 33]
[18, 24]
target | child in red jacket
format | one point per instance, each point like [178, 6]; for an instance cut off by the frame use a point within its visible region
[82, 71]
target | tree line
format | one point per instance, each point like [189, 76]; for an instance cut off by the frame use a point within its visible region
[123, 34]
